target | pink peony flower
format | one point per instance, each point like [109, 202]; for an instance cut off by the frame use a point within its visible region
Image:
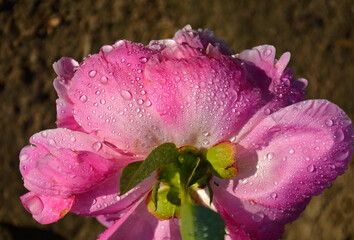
[117, 106]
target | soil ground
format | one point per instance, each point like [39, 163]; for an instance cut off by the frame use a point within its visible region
[34, 34]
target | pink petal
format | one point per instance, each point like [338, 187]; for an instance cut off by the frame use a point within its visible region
[204, 42]
[138, 223]
[195, 94]
[111, 101]
[46, 209]
[65, 69]
[63, 162]
[104, 199]
[290, 156]
[265, 71]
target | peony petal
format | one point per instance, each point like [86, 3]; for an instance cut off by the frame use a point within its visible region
[65, 69]
[104, 199]
[247, 220]
[265, 71]
[193, 95]
[300, 150]
[46, 209]
[138, 223]
[290, 156]
[111, 101]
[64, 162]
[204, 42]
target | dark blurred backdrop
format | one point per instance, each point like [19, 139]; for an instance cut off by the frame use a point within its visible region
[34, 34]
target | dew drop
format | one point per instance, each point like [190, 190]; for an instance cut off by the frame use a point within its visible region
[206, 134]
[291, 151]
[126, 95]
[342, 155]
[44, 134]
[143, 60]
[72, 139]
[267, 52]
[92, 73]
[148, 103]
[104, 80]
[103, 102]
[97, 146]
[329, 122]
[311, 168]
[23, 157]
[270, 156]
[267, 111]
[338, 135]
[332, 166]
[273, 195]
[117, 198]
[258, 216]
[83, 98]
[140, 101]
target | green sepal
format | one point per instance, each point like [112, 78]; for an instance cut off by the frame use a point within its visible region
[154, 194]
[162, 155]
[222, 158]
[165, 209]
[200, 223]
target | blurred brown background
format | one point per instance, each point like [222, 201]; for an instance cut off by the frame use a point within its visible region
[34, 34]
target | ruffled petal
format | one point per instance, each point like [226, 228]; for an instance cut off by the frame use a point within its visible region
[62, 162]
[265, 71]
[111, 101]
[202, 41]
[287, 158]
[138, 223]
[294, 154]
[65, 69]
[46, 209]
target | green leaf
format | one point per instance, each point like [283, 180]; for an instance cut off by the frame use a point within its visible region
[222, 158]
[164, 154]
[127, 174]
[200, 223]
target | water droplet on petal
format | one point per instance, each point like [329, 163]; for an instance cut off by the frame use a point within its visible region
[329, 122]
[311, 168]
[103, 101]
[44, 134]
[72, 139]
[270, 156]
[342, 155]
[206, 134]
[97, 146]
[339, 135]
[104, 80]
[273, 195]
[117, 198]
[92, 73]
[332, 166]
[83, 98]
[23, 157]
[143, 60]
[291, 151]
[126, 95]
[267, 52]
[267, 111]
[258, 216]
[148, 103]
